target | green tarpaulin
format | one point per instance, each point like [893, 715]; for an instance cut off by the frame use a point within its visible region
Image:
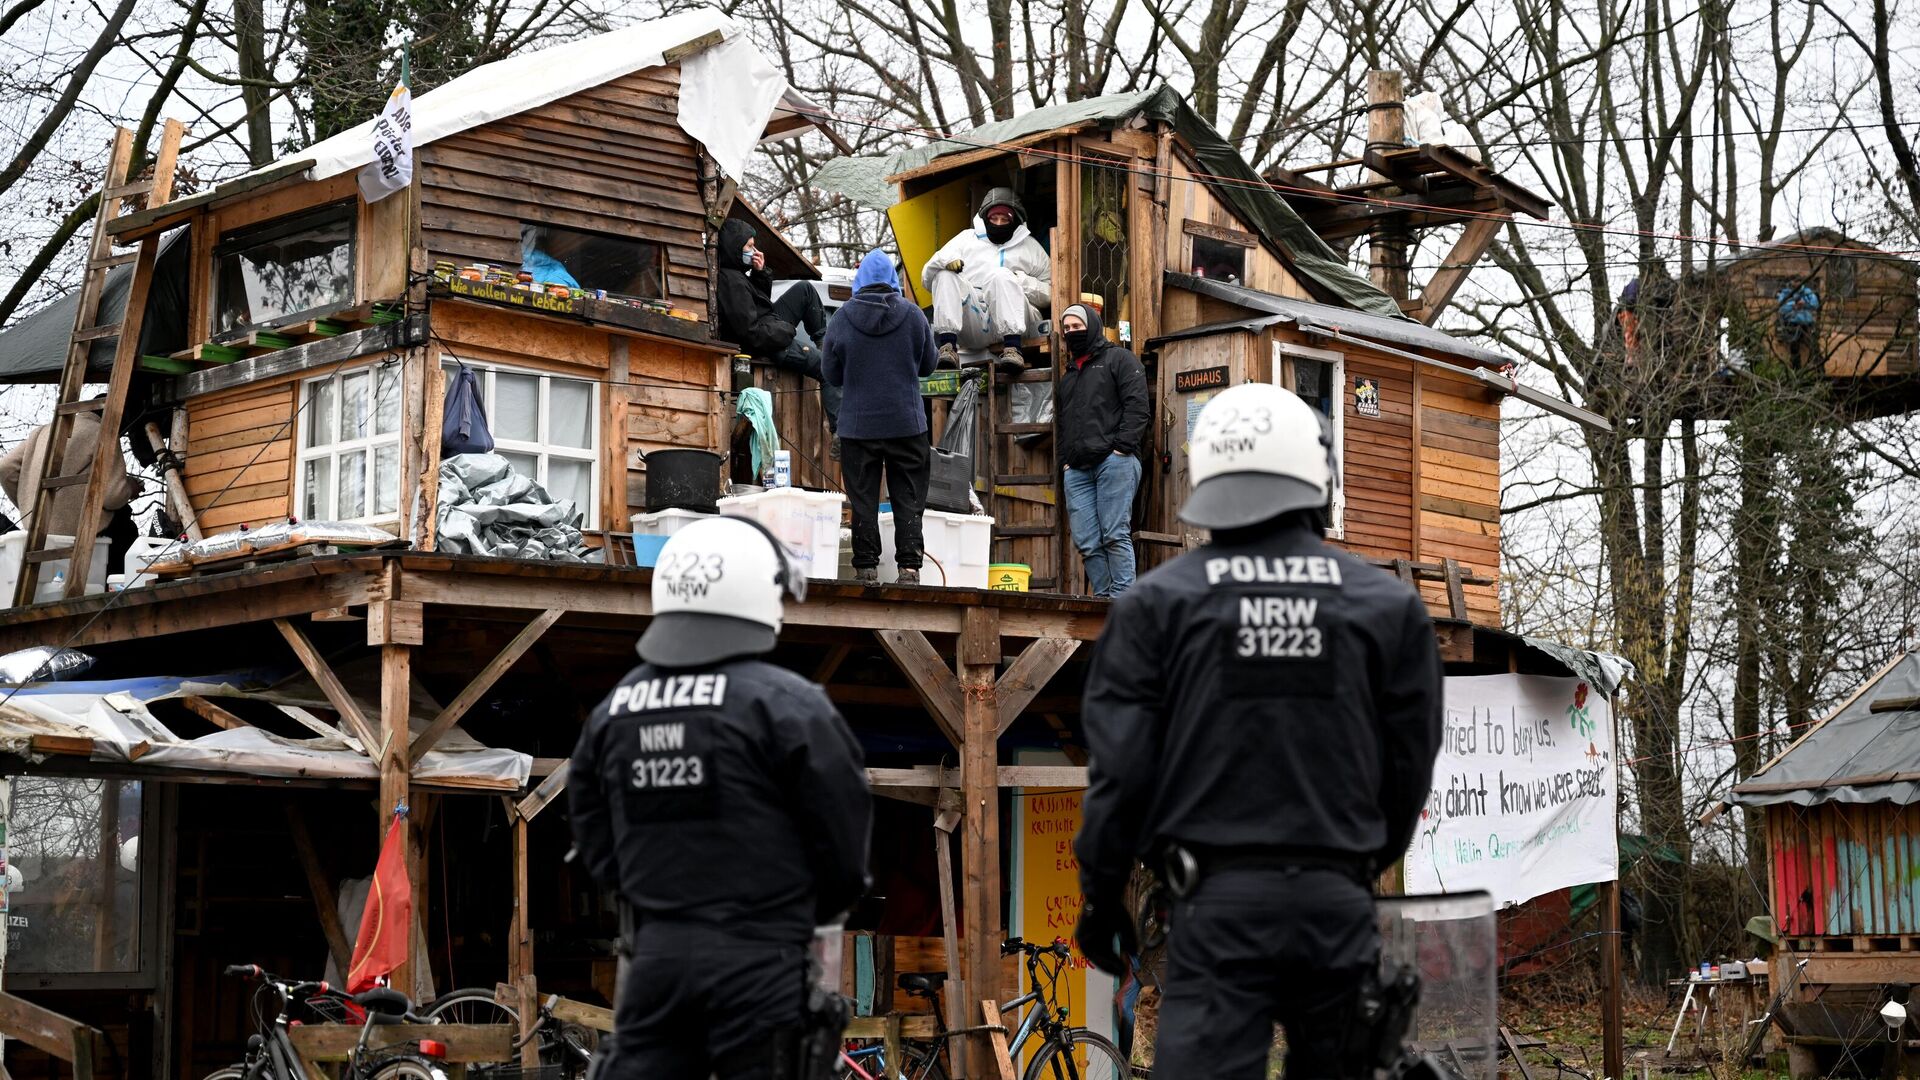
[1321, 269]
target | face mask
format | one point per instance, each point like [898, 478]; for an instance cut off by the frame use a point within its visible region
[1000, 234]
[1077, 340]
[746, 257]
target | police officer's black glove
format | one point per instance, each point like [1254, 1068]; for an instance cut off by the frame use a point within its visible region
[1106, 935]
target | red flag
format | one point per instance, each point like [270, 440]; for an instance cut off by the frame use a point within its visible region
[387, 922]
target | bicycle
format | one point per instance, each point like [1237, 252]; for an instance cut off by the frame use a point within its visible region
[270, 1053]
[567, 1046]
[922, 1057]
[1060, 1042]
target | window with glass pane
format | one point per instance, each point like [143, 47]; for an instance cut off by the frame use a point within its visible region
[302, 265]
[349, 467]
[547, 427]
[75, 903]
[1320, 382]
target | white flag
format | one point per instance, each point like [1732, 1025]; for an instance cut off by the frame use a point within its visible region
[392, 165]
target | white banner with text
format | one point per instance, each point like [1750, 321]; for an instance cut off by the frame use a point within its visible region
[1524, 791]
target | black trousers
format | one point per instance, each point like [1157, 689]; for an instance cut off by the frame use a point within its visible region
[906, 462]
[698, 1001]
[1252, 947]
[800, 306]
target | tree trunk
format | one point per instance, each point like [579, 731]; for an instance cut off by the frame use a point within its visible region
[249, 32]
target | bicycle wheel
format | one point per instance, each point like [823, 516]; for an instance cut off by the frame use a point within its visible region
[407, 1069]
[473, 1005]
[1057, 1060]
[231, 1072]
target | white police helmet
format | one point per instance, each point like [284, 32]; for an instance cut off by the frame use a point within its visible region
[1257, 451]
[717, 593]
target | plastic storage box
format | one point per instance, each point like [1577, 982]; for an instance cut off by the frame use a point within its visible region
[13, 551]
[664, 522]
[808, 522]
[958, 548]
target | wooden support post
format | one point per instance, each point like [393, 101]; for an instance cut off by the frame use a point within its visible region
[1029, 673]
[890, 1047]
[929, 676]
[1613, 1053]
[946, 818]
[326, 904]
[1473, 243]
[1386, 131]
[980, 798]
[1002, 1060]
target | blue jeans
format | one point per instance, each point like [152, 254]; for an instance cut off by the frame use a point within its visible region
[1099, 511]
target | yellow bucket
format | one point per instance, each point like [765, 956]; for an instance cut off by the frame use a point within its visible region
[1009, 576]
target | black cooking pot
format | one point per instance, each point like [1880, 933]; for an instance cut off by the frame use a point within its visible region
[683, 480]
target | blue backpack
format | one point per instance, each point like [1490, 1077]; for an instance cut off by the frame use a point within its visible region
[464, 428]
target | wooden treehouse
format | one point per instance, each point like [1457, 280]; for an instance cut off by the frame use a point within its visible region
[1843, 854]
[287, 345]
[1215, 280]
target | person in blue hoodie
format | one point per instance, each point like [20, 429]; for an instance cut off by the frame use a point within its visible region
[878, 347]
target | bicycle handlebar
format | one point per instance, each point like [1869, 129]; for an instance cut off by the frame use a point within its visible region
[1015, 945]
[255, 972]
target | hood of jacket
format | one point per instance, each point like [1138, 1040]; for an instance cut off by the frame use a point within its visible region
[1096, 329]
[1020, 233]
[734, 235]
[876, 269]
[875, 312]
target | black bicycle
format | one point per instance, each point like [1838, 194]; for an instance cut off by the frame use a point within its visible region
[566, 1048]
[1062, 1046]
[270, 1053]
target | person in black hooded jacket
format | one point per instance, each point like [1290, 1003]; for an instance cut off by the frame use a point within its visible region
[765, 328]
[1101, 415]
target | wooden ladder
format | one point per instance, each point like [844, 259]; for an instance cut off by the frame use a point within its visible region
[999, 435]
[101, 259]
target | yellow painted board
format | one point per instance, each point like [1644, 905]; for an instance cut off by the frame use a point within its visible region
[923, 224]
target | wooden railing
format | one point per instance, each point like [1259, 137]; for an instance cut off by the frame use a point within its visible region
[71, 1041]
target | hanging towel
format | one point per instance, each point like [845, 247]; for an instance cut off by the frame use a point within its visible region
[757, 406]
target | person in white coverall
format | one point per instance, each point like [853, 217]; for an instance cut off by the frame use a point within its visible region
[990, 285]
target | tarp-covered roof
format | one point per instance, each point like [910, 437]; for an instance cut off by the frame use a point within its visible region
[1866, 751]
[729, 93]
[1323, 271]
[35, 348]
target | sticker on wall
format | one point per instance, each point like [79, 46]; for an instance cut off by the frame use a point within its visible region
[1366, 396]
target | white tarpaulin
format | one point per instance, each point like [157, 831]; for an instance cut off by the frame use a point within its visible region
[730, 103]
[1524, 791]
[115, 715]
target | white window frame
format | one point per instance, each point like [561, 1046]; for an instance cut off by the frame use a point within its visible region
[1283, 353]
[335, 450]
[541, 450]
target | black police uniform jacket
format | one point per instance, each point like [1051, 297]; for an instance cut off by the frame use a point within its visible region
[1271, 693]
[732, 795]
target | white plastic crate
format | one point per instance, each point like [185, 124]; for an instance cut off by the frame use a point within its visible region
[13, 552]
[958, 548]
[664, 522]
[808, 522]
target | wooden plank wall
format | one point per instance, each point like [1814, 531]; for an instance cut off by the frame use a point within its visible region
[1459, 503]
[610, 159]
[1378, 464]
[1190, 199]
[238, 468]
[1842, 869]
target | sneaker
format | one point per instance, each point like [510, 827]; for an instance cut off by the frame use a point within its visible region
[1010, 361]
[867, 576]
[909, 575]
[949, 357]
[833, 448]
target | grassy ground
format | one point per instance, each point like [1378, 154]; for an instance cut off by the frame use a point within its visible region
[1571, 1030]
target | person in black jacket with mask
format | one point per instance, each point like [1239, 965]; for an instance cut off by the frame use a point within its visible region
[1262, 715]
[784, 331]
[1101, 419]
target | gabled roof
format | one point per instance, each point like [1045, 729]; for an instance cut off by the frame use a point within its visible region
[1865, 751]
[1319, 267]
[1818, 242]
[731, 98]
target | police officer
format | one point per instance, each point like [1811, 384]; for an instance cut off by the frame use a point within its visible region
[1263, 714]
[725, 799]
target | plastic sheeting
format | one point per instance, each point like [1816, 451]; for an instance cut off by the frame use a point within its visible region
[486, 508]
[1855, 755]
[1324, 272]
[115, 714]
